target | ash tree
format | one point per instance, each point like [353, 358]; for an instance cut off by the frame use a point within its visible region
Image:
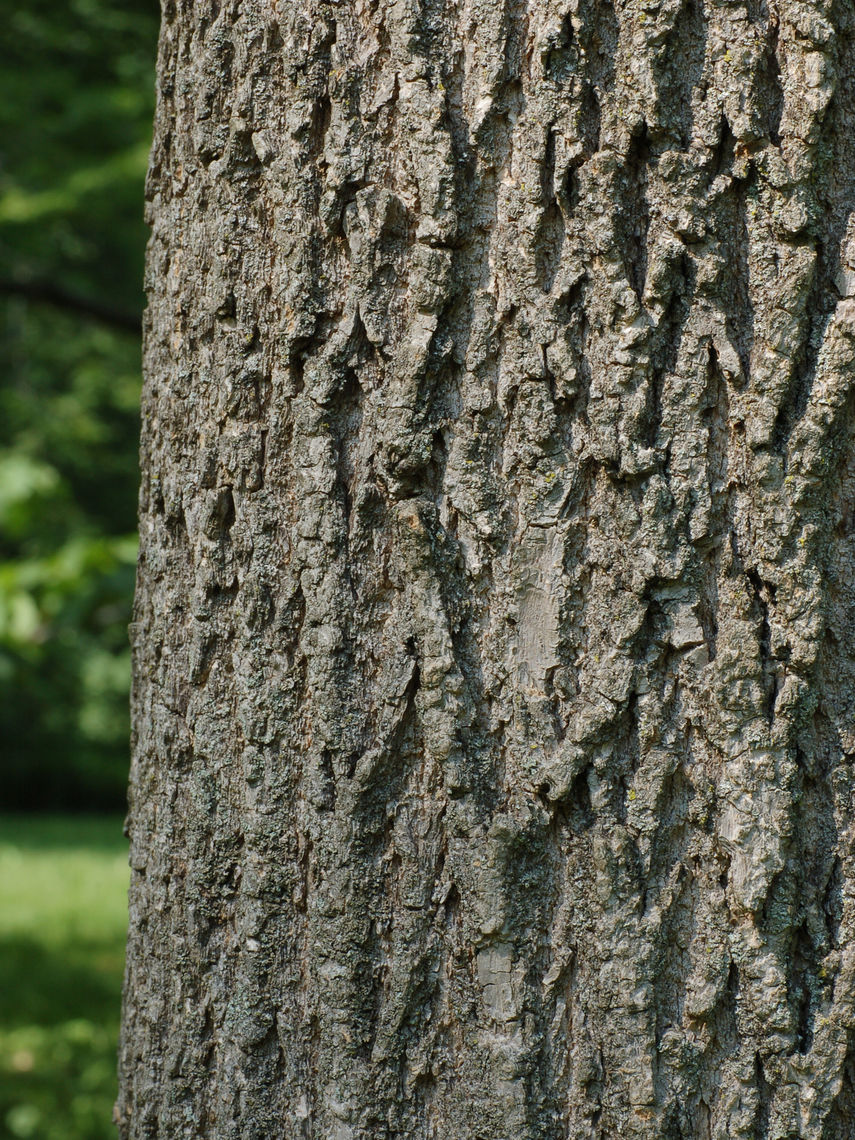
[494, 671]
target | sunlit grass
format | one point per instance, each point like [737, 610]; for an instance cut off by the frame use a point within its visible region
[63, 884]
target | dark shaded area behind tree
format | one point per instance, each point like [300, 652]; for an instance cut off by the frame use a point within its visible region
[76, 103]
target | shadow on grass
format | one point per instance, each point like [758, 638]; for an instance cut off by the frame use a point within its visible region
[59, 1013]
[46, 986]
[62, 908]
[56, 833]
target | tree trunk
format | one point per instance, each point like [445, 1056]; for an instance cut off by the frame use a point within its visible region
[494, 687]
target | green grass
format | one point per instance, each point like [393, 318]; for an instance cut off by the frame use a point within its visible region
[63, 901]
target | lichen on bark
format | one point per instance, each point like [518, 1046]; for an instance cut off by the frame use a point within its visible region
[494, 690]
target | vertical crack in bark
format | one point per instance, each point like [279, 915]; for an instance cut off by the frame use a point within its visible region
[833, 203]
[666, 343]
[764, 1097]
[721, 159]
[763, 595]
[599, 33]
[803, 971]
[549, 238]
[740, 317]
[771, 75]
[634, 212]
[680, 69]
[819, 304]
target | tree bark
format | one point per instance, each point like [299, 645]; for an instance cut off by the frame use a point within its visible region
[494, 673]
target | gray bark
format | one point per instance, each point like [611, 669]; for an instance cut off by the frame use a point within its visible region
[494, 673]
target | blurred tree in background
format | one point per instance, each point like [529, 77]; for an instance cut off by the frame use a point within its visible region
[76, 102]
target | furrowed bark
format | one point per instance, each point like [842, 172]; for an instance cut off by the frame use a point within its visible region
[494, 681]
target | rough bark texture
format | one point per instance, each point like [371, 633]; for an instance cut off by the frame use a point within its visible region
[495, 680]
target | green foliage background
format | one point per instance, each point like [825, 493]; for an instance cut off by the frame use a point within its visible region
[76, 104]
